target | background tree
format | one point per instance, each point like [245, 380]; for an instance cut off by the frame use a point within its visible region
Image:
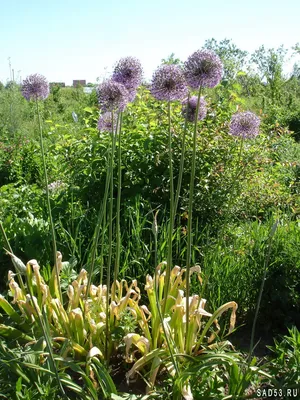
[269, 64]
[296, 48]
[171, 60]
[296, 71]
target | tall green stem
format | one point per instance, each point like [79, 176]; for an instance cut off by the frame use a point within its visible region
[101, 212]
[118, 233]
[155, 233]
[235, 179]
[190, 215]
[102, 244]
[181, 161]
[171, 222]
[110, 230]
[48, 202]
[100, 219]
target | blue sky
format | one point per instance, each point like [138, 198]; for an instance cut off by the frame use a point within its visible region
[66, 40]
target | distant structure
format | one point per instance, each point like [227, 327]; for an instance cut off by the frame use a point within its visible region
[61, 84]
[77, 82]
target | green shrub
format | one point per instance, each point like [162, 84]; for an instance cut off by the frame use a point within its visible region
[234, 265]
[285, 362]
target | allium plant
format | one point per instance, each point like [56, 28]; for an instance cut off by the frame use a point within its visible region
[36, 87]
[128, 72]
[112, 96]
[168, 83]
[203, 69]
[107, 122]
[189, 107]
[245, 125]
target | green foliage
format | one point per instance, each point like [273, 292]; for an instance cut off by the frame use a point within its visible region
[285, 362]
[25, 374]
[220, 374]
[171, 59]
[13, 111]
[145, 162]
[234, 263]
[24, 219]
[77, 156]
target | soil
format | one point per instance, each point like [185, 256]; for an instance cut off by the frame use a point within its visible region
[241, 341]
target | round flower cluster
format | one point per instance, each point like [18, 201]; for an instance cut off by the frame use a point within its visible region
[105, 122]
[112, 96]
[203, 69]
[245, 125]
[189, 108]
[116, 93]
[168, 83]
[35, 87]
[129, 72]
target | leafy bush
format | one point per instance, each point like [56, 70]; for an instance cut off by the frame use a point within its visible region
[285, 363]
[234, 265]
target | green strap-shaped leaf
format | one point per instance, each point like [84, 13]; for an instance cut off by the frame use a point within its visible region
[8, 308]
[9, 332]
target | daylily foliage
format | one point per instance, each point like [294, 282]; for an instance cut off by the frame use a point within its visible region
[80, 322]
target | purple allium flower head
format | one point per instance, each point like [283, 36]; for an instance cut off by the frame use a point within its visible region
[168, 83]
[35, 87]
[112, 96]
[128, 72]
[105, 122]
[189, 108]
[244, 124]
[203, 68]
